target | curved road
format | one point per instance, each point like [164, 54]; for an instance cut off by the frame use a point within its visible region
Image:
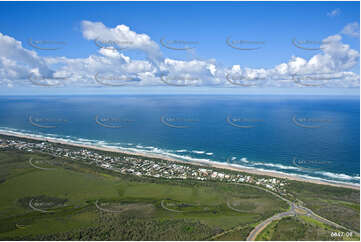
[326, 221]
[258, 229]
[293, 210]
[253, 234]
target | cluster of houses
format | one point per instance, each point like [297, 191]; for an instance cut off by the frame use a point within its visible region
[144, 166]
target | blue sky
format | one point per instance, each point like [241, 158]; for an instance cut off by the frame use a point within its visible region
[209, 24]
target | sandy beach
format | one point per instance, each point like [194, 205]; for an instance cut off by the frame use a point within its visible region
[208, 164]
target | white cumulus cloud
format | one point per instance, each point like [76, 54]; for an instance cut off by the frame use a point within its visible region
[334, 60]
[352, 29]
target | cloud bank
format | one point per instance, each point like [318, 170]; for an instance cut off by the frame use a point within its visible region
[111, 66]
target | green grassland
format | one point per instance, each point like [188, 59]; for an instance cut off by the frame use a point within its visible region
[67, 192]
[336, 204]
[237, 233]
[53, 198]
[303, 228]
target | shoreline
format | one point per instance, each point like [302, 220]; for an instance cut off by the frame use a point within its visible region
[204, 164]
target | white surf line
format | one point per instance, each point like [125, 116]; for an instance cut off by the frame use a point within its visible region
[175, 158]
[37, 209]
[38, 167]
[169, 209]
[106, 210]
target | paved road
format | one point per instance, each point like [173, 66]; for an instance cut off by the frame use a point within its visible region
[293, 211]
[258, 229]
[264, 189]
[326, 221]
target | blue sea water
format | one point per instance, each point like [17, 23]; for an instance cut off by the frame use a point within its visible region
[309, 136]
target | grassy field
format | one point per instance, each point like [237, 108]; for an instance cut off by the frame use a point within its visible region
[336, 204]
[302, 228]
[59, 203]
[48, 198]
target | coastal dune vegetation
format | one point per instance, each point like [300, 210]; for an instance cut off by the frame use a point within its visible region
[68, 195]
[55, 198]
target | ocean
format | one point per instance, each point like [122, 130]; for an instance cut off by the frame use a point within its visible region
[314, 137]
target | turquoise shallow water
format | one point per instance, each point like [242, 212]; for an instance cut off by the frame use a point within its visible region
[311, 136]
